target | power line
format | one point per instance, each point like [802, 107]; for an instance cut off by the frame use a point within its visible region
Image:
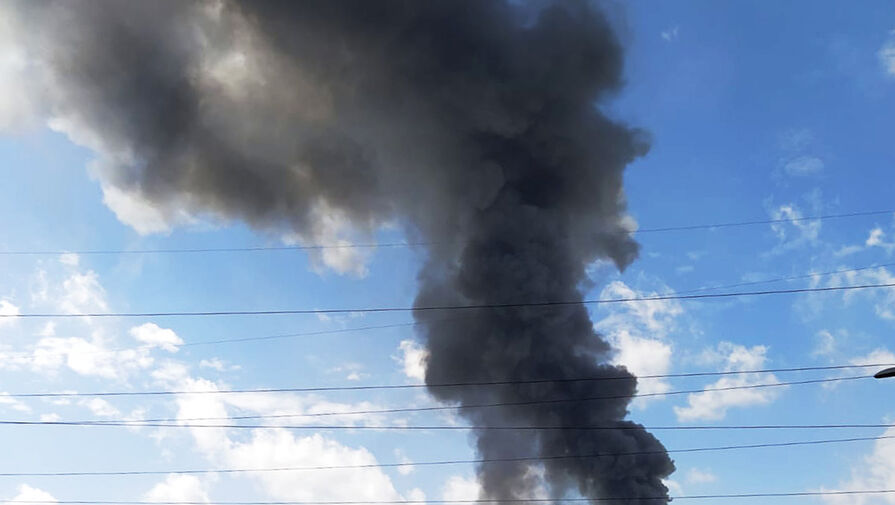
[283, 336]
[396, 386]
[446, 462]
[309, 247]
[764, 221]
[617, 427]
[468, 406]
[598, 301]
[372, 245]
[483, 500]
[788, 278]
[279, 336]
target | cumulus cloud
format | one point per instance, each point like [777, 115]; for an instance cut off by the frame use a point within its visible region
[798, 158]
[279, 448]
[875, 471]
[94, 352]
[13, 403]
[670, 34]
[699, 476]
[412, 356]
[877, 238]
[794, 231]
[886, 54]
[7, 308]
[89, 357]
[406, 467]
[876, 357]
[461, 488]
[639, 333]
[176, 488]
[154, 336]
[713, 405]
[70, 259]
[32, 494]
[271, 448]
[803, 165]
[882, 300]
[217, 364]
[100, 407]
[826, 344]
[132, 209]
[82, 292]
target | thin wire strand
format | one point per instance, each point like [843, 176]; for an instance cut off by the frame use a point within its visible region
[372, 245]
[446, 462]
[284, 336]
[430, 308]
[404, 386]
[788, 278]
[469, 406]
[484, 500]
[180, 423]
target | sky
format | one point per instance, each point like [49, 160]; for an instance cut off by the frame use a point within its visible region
[756, 111]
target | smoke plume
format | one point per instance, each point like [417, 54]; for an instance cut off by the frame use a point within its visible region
[476, 121]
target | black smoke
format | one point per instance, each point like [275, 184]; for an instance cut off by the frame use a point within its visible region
[477, 121]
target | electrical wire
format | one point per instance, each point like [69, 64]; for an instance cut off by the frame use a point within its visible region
[788, 278]
[429, 308]
[404, 386]
[372, 245]
[483, 500]
[444, 462]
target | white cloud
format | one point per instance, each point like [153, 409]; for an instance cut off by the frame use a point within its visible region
[674, 488]
[670, 34]
[100, 407]
[796, 140]
[154, 336]
[82, 292]
[803, 165]
[331, 226]
[50, 418]
[653, 316]
[352, 371]
[7, 308]
[643, 356]
[826, 344]
[176, 488]
[270, 448]
[883, 300]
[407, 465]
[794, 231]
[697, 476]
[32, 494]
[13, 403]
[876, 357]
[627, 326]
[70, 259]
[877, 239]
[413, 358]
[713, 405]
[85, 357]
[279, 448]
[217, 364]
[459, 488]
[876, 471]
[886, 54]
[134, 210]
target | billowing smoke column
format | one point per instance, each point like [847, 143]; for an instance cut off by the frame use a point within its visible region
[473, 123]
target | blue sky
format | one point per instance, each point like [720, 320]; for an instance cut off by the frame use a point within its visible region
[756, 111]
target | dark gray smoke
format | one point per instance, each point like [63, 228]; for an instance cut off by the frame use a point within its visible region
[474, 124]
